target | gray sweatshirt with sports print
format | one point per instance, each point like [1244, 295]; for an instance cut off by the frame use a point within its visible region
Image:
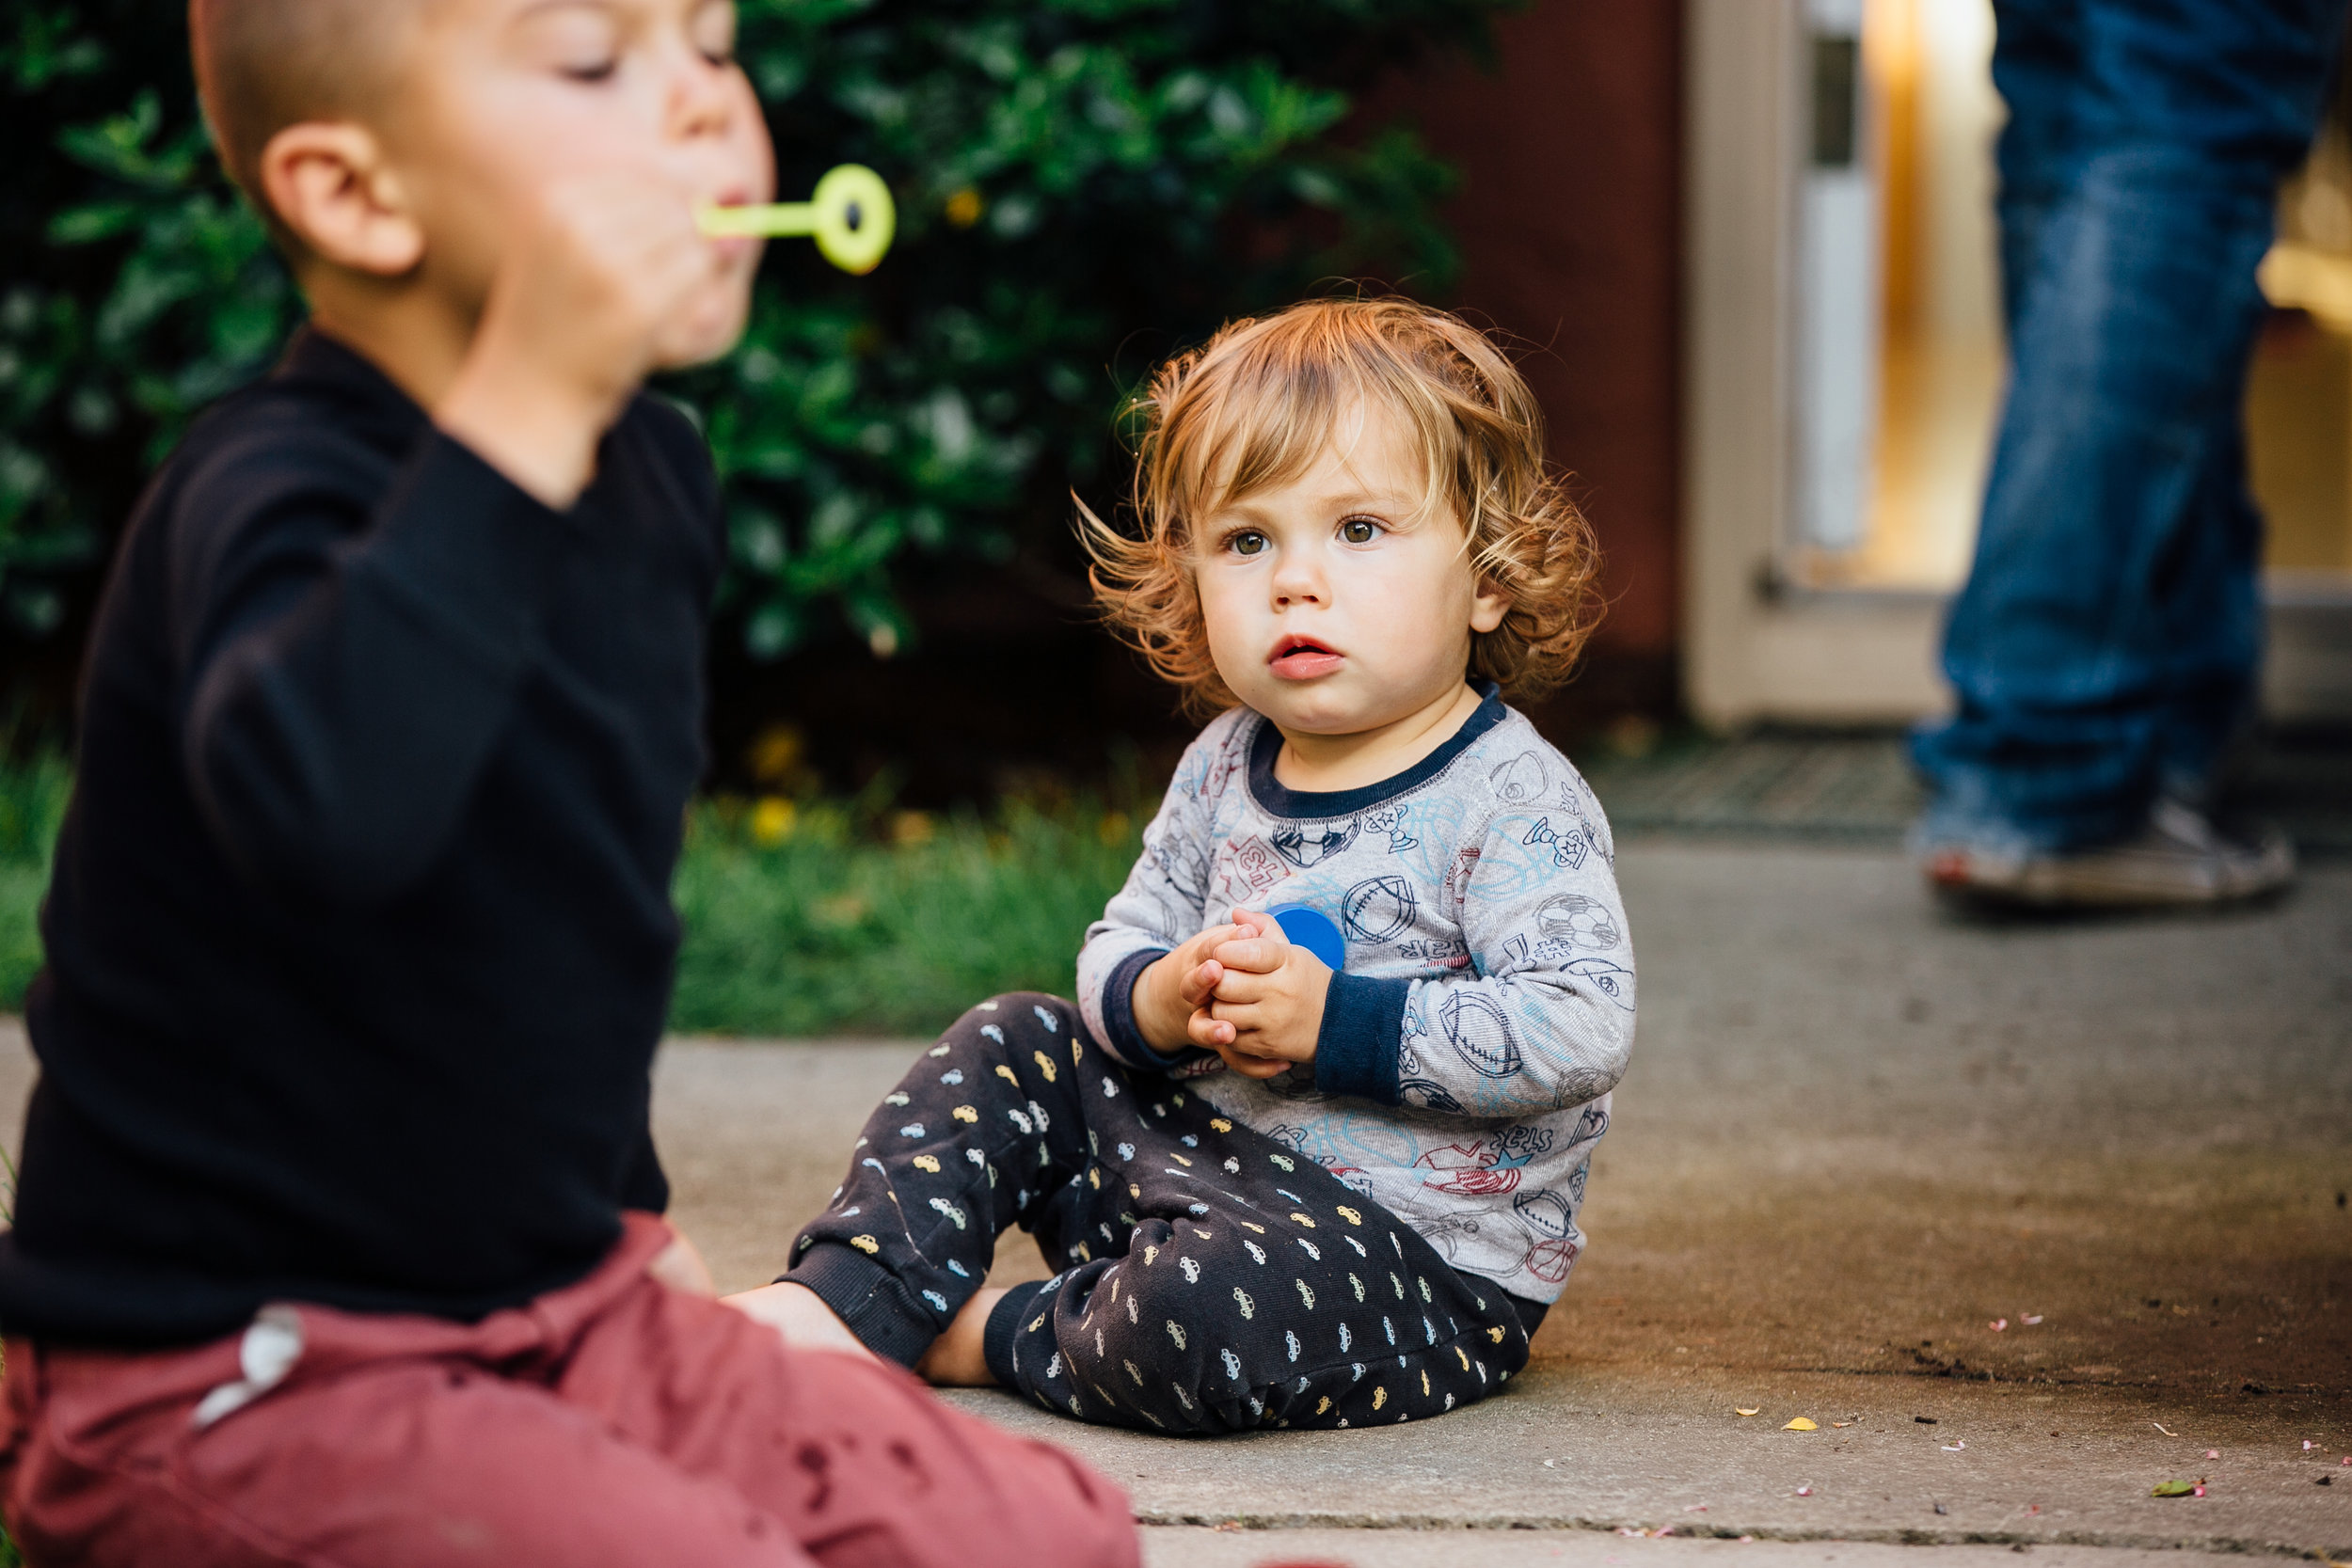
[1468, 1050]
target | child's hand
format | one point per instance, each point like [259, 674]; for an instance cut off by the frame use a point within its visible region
[1265, 1009]
[606, 281]
[1169, 994]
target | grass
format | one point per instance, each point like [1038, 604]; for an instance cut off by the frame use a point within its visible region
[800, 922]
[801, 917]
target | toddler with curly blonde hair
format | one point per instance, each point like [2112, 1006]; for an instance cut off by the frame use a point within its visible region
[1310, 1146]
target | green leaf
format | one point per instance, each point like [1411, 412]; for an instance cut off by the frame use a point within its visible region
[46, 49]
[100, 220]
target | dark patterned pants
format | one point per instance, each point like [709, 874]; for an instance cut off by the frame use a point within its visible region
[1212, 1280]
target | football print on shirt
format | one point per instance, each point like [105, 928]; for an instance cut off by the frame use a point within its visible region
[1378, 910]
[1479, 1033]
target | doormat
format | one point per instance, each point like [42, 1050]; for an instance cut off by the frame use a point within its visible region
[1857, 788]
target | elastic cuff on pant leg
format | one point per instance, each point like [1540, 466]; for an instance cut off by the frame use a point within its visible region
[1004, 1324]
[869, 1298]
[1532, 1313]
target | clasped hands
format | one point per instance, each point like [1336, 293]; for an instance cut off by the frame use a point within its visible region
[1243, 991]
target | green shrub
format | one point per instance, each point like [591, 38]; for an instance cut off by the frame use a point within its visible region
[1074, 176]
[32, 805]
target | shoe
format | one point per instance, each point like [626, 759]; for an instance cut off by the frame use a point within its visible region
[2179, 859]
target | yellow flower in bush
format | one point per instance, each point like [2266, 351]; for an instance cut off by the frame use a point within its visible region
[772, 820]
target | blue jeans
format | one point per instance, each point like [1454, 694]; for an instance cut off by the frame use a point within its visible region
[2106, 643]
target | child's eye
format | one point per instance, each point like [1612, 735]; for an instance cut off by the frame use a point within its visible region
[1359, 531]
[1247, 543]
[714, 32]
[579, 42]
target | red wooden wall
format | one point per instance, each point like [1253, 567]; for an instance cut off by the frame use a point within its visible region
[1569, 219]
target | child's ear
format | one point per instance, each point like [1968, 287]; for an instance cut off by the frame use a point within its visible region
[329, 184]
[1488, 608]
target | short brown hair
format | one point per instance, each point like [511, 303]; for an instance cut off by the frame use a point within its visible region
[1253, 407]
[263, 65]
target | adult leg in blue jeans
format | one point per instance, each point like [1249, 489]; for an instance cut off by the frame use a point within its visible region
[2106, 643]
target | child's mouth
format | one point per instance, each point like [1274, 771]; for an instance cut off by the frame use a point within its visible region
[734, 196]
[1302, 659]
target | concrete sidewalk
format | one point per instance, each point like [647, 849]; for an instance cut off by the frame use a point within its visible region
[1858, 1135]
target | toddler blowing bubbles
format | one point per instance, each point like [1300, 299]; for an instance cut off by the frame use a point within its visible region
[1282, 1195]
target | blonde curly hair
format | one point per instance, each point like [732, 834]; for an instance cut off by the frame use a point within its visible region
[1254, 407]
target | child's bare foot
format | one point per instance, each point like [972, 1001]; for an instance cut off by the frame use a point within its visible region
[801, 1315]
[958, 1358]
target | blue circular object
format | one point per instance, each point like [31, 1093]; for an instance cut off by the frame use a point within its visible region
[1311, 929]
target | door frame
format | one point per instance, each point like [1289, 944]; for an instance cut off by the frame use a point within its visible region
[1756, 648]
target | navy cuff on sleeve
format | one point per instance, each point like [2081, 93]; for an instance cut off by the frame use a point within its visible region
[1362, 1032]
[877, 1307]
[1119, 1013]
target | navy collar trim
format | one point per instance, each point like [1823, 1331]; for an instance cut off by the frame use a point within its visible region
[1283, 800]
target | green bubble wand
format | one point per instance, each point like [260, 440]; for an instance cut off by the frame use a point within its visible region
[850, 215]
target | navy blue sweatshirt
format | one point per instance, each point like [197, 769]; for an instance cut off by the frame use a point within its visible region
[359, 937]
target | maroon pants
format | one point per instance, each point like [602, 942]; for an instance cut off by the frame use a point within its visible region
[615, 1421]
